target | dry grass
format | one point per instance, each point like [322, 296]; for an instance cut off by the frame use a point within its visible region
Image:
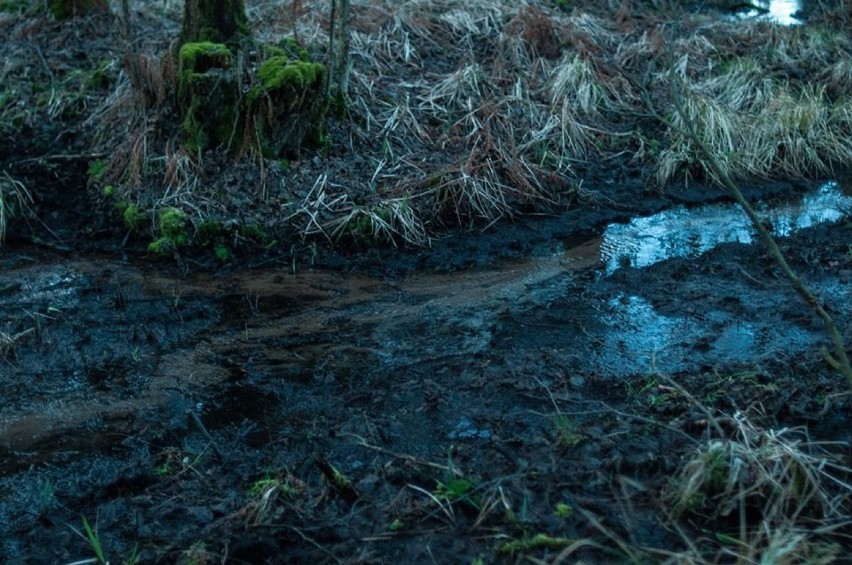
[336, 217]
[494, 98]
[717, 127]
[14, 200]
[768, 496]
[800, 133]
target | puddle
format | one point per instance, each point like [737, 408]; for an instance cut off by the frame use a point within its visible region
[638, 338]
[689, 232]
[781, 12]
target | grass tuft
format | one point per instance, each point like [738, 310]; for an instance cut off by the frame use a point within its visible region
[765, 494]
[14, 200]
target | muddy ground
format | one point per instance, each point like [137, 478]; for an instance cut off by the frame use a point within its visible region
[537, 379]
[534, 378]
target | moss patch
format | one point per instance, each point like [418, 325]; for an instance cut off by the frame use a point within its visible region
[287, 103]
[280, 72]
[173, 232]
[207, 95]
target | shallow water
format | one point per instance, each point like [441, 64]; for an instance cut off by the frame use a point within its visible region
[688, 232]
[781, 12]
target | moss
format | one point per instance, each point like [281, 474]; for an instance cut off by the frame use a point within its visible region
[204, 55]
[564, 510]
[222, 253]
[134, 219]
[209, 230]
[207, 95]
[161, 246]
[294, 49]
[97, 170]
[287, 105]
[256, 232]
[173, 223]
[279, 72]
[539, 541]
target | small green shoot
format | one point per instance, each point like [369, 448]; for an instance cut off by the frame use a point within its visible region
[564, 510]
[396, 525]
[538, 541]
[95, 542]
[97, 170]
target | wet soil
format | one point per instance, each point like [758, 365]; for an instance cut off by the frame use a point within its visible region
[151, 401]
[467, 392]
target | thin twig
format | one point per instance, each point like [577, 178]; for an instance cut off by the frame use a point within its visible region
[200, 427]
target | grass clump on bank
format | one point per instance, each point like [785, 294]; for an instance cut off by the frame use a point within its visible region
[768, 495]
[14, 199]
[461, 115]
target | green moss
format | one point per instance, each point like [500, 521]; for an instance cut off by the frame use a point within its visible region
[564, 510]
[222, 253]
[539, 541]
[209, 230]
[294, 49]
[162, 246]
[207, 95]
[279, 71]
[102, 77]
[134, 219]
[97, 170]
[204, 55]
[173, 223]
[256, 232]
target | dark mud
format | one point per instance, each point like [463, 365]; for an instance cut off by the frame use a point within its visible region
[468, 392]
[534, 381]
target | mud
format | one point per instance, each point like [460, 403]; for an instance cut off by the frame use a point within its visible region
[544, 375]
[512, 375]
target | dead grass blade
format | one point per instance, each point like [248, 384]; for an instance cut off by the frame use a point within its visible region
[776, 486]
[14, 200]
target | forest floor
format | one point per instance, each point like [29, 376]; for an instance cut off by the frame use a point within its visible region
[505, 314]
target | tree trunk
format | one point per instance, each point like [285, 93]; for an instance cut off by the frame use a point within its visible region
[217, 21]
[64, 9]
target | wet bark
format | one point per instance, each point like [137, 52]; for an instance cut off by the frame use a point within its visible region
[217, 21]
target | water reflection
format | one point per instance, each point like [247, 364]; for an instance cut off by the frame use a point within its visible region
[782, 12]
[682, 232]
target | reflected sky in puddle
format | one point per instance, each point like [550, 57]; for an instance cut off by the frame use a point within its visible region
[639, 339]
[781, 12]
[683, 232]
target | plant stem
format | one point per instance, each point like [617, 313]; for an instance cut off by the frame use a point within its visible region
[839, 360]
